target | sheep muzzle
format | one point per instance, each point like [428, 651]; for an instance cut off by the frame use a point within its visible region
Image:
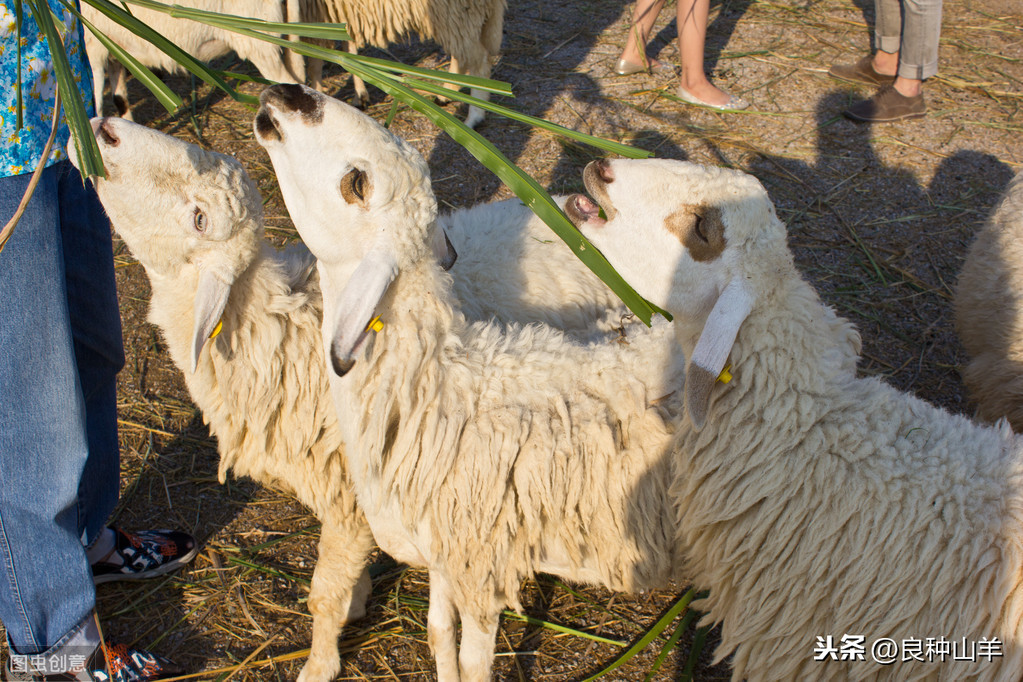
[596, 177]
[103, 131]
[294, 98]
[341, 366]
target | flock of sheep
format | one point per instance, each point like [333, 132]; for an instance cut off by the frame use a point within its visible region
[448, 388]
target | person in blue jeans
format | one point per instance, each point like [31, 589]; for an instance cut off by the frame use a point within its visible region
[60, 351]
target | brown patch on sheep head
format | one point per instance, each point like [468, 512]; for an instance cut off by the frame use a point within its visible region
[700, 229]
[286, 98]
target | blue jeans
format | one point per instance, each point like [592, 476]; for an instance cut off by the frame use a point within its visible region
[60, 351]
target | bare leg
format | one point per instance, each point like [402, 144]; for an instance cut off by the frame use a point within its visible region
[887, 63]
[339, 591]
[643, 17]
[440, 628]
[692, 35]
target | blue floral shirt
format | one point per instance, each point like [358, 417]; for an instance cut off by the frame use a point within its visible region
[20, 150]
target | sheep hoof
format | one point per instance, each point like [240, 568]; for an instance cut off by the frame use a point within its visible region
[317, 669]
[474, 117]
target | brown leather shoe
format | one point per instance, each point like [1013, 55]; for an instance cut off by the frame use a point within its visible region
[887, 104]
[860, 72]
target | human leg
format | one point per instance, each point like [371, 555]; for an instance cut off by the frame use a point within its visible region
[695, 87]
[96, 332]
[46, 590]
[906, 34]
[918, 56]
[879, 67]
[633, 58]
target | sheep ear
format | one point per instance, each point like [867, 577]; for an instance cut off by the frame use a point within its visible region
[711, 352]
[443, 251]
[353, 310]
[210, 300]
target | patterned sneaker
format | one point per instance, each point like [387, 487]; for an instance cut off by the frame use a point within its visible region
[134, 665]
[120, 665]
[146, 554]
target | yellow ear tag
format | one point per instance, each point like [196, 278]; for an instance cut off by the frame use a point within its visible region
[725, 375]
[216, 330]
[375, 324]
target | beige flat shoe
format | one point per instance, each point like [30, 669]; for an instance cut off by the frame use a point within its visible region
[734, 103]
[657, 68]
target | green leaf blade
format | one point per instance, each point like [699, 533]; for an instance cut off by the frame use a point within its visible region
[89, 157]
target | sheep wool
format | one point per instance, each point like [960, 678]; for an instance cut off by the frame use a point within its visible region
[470, 31]
[988, 301]
[813, 504]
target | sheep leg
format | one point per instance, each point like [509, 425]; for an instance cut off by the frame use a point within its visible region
[314, 69]
[99, 77]
[275, 65]
[294, 62]
[479, 66]
[361, 98]
[119, 89]
[440, 628]
[338, 593]
[476, 652]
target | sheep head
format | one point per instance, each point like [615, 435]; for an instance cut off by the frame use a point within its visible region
[360, 198]
[179, 207]
[683, 236]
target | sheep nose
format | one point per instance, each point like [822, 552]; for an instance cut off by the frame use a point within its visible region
[341, 367]
[104, 131]
[604, 170]
[266, 125]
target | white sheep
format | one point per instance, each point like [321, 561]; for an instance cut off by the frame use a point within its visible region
[194, 220]
[202, 41]
[468, 30]
[813, 504]
[483, 453]
[989, 312]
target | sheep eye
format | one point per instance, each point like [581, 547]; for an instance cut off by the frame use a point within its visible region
[353, 186]
[199, 220]
[698, 228]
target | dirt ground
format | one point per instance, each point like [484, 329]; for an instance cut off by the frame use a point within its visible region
[879, 219]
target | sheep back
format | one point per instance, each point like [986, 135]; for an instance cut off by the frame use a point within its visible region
[989, 312]
[541, 280]
[816, 503]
